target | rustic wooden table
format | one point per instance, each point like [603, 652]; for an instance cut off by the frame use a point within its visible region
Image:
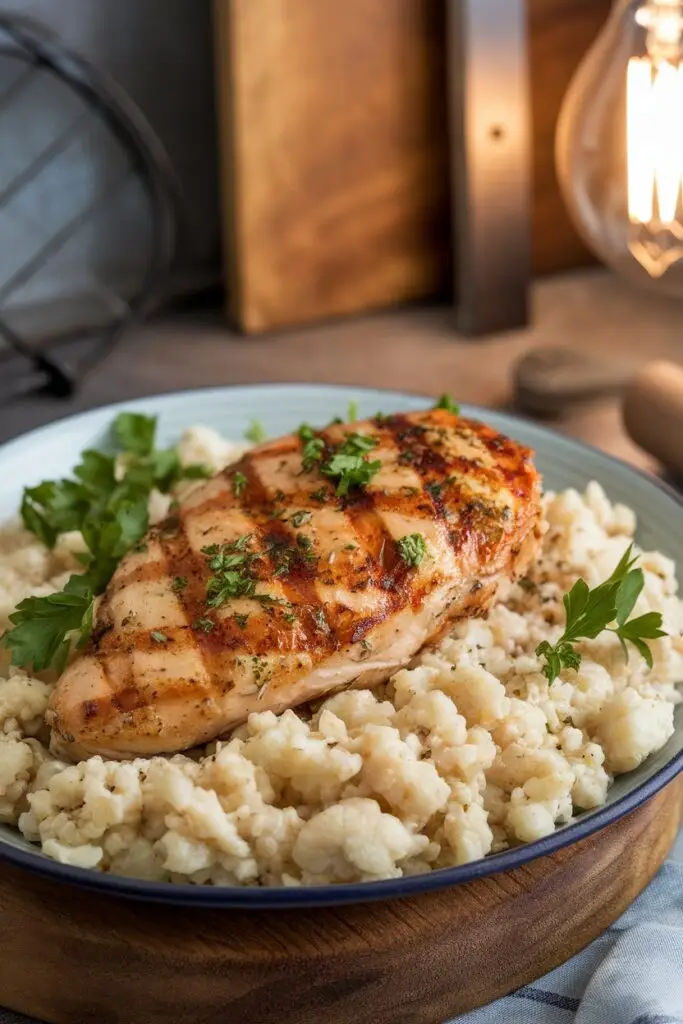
[414, 348]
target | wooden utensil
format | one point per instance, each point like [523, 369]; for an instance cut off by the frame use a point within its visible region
[72, 956]
[546, 381]
[653, 413]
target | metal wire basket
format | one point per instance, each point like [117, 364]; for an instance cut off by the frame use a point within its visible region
[89, 207]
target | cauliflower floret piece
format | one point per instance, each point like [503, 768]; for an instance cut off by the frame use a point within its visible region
[287, 749]
[467, 832]
[354, 839]
[630, 727]
[18, 762]
[25, 700]
[525, 724]
[356, 708]
[390, 769]
[530, 821]
[204, 445]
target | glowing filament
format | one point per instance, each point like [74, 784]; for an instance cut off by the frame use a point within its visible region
[654, 139]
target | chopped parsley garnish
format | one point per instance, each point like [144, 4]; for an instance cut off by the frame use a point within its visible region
[255, 432]
[107, 500]
[204, 624]
[447, 403]
[231, 568]
[290, 617]
[434, 489]
[412, 548]
[313, 447]
[320, 620]
[179, 583]
[319, 495]
[239, 482]
[352, 412]
[158, 638]
[590, 612]
[349, 466]
[241, 620]
[299, 518]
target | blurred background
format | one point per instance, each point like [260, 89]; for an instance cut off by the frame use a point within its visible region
[415, 194]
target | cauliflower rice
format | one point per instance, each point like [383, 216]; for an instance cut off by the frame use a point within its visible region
[466, 752]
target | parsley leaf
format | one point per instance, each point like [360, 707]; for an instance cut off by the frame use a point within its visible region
[255, 432]
[134, 432]
[204, 624]
[348, 465]
[352, 412]
[43, 626]
[590, 612]
[412, 548]
[158, 637]
[239, 482]
[447, 403]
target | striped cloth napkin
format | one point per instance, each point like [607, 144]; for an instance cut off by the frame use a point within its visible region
[632, 974]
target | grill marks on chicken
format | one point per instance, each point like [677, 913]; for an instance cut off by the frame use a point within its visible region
[278, 591]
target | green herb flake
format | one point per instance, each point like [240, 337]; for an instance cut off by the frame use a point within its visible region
[179, 583]
[299, 518]
[239, 482]
[447, 403]
[348, 465]
[320, 620]
[241, 620]
[204, 624]
[412, 549]
[255, 432]
[158, 638]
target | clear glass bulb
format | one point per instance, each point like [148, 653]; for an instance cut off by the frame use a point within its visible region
[619, 145]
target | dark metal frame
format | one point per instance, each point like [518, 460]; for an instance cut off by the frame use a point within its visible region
[490, 150]
[40, 49]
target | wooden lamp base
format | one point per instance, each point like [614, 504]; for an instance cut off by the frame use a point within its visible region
[71, 957]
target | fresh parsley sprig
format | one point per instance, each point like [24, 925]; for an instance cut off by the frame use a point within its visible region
[591, 612]
[43, 627]
[110, 508]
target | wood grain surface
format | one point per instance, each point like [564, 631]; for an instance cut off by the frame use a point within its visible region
[74, 958]
[333, 139]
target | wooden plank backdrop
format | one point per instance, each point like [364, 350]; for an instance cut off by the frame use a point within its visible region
[332, 129]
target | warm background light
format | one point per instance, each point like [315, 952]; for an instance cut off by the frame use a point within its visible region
[620, 143]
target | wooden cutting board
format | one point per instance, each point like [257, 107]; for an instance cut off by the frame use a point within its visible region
[333, 135]
[71, 957]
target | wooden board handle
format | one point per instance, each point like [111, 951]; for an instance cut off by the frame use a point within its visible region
[653, 412]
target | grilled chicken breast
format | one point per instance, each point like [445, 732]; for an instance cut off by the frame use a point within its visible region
[267, 589]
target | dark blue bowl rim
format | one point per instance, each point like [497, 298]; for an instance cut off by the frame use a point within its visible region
[257, 898]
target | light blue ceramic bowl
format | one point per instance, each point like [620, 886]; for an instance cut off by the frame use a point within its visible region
[52, 451]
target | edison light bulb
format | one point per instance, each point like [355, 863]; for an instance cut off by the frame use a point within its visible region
[620, 143]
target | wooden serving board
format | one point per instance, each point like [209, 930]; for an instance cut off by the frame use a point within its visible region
[70, 957]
